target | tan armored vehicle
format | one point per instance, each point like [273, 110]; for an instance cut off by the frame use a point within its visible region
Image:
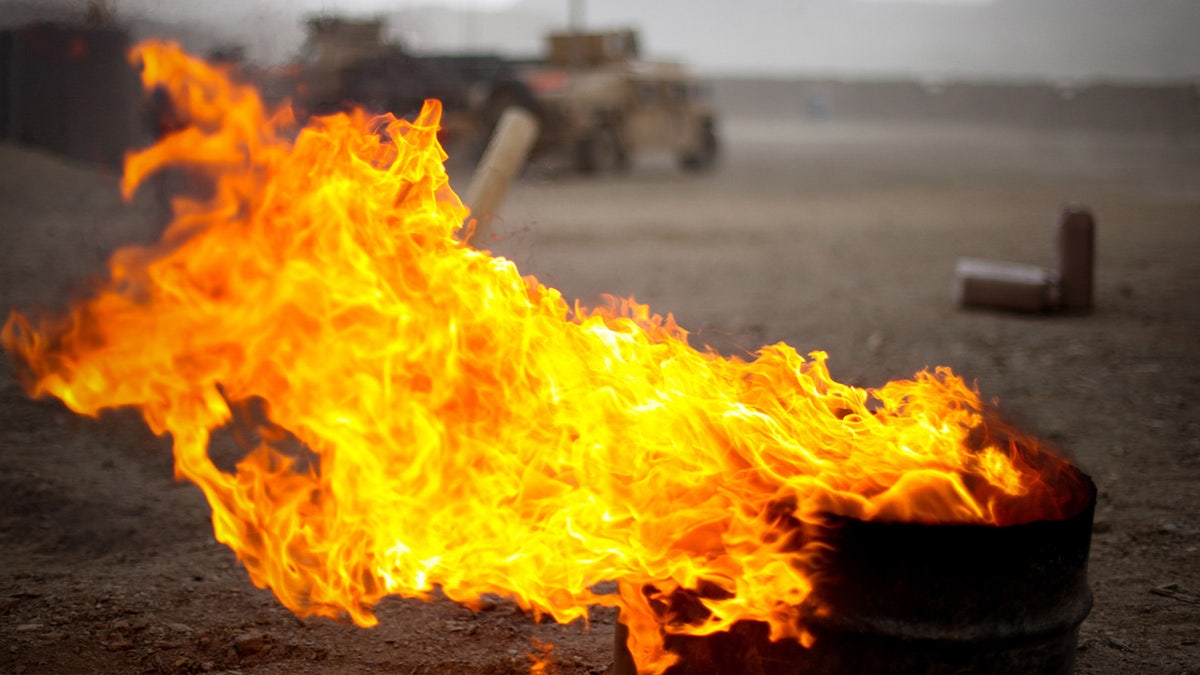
[601, 105]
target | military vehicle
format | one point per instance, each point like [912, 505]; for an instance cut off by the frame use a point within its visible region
[347, 61]
[600, 104]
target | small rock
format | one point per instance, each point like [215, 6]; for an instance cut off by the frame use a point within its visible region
[28, 627]
[170, 644]
[180, 627]
[119, 645]
[248, 644]
[1117, 643]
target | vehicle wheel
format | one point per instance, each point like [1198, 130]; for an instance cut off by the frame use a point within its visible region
[601, 151]
[704, 155]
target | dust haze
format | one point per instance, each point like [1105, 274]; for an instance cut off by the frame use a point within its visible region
[1056, 40]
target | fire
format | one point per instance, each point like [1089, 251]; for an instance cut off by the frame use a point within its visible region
[425, 417]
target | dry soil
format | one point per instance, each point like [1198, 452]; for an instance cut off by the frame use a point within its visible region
[825, 236]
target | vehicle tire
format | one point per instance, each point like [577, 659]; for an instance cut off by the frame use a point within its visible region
[704, 155]
[601, 151]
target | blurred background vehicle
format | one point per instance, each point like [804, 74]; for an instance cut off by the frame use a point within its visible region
[601, 104]
[598, 102]
[347, 62]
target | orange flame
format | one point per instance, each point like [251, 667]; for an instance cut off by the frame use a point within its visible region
[426, 417]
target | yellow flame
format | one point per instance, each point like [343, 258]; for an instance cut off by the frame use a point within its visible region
[427, 417]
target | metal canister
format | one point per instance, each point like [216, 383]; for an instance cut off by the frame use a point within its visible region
[1076, 257]
[1005, 285]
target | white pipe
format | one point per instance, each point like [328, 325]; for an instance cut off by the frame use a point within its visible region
[506, 152]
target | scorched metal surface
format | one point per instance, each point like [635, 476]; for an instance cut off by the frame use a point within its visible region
[921, 599]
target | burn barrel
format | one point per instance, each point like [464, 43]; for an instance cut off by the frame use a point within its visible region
[922, 599]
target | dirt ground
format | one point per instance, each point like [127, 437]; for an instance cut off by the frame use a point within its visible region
[825, 236]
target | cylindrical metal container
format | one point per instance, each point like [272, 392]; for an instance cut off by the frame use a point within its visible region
[1004, 285]
[1076, 257]
[909, 598]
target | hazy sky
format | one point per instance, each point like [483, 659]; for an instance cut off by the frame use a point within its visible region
[387, 5]
[369, 6]
[1074, 40]
[384, 5]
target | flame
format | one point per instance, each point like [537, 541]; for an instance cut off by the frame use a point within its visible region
[542, 662]
[425, 417]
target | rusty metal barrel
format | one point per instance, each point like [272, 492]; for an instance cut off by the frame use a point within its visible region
[910, 598]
